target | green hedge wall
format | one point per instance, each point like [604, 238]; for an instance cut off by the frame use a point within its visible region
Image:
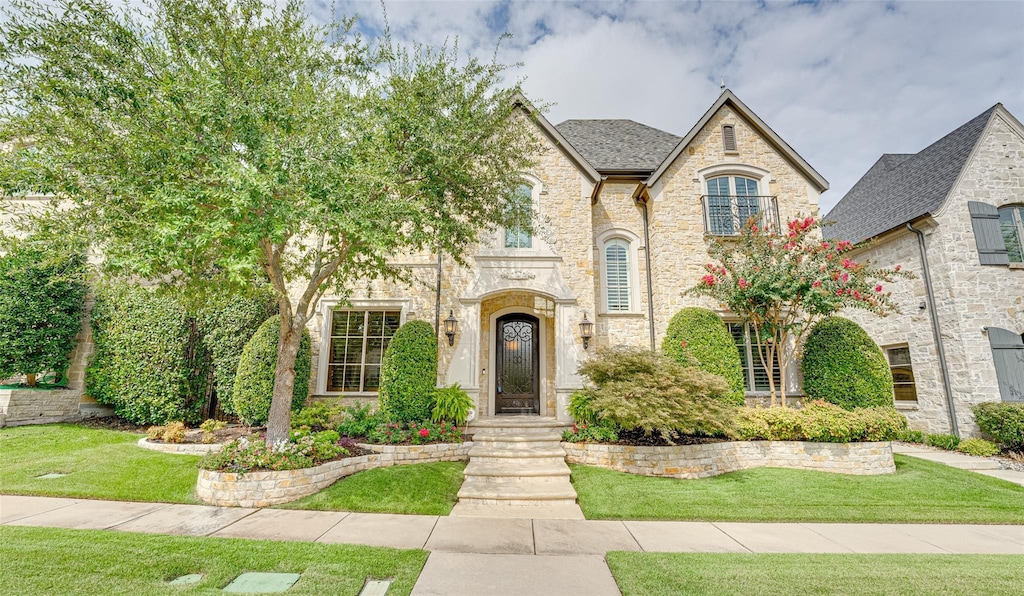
[1002, 421]
[254, 381]
[843, 366]
[698, 337]
[408, 373]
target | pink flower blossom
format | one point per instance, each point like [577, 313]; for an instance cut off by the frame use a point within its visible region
[825, 245]
[816, 284]
[878, 288]
[845, 277]
[743, 283]
[424, 433]
[708, 280]
[898, 267]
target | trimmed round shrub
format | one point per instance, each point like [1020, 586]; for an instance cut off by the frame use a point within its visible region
[843, 366]
[1002, 422]
[698, 337]
[254, 382]
[408, 373]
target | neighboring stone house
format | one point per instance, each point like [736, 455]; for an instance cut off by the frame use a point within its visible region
[620, 216]
[951, 214]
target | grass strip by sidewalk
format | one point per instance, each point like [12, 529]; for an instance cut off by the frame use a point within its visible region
[100, 464]
[919, 492]
[54, 561]
[424, 489]
[652, 574]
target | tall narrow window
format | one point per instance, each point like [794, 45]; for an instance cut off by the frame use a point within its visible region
[518, 235]
[903, 386]
[755, 374]
[616, 275]
[729, 137]
[731, 201]
[1011, 224]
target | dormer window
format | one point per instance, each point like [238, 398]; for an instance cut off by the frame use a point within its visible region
[729, 138]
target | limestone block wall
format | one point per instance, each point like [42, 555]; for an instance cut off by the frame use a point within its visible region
[712, 459]
[38, 406]
[263, 489]
[180, 448]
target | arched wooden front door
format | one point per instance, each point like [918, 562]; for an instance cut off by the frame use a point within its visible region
[517, 382]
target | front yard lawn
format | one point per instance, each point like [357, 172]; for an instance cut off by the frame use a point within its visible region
[53, 561]
[425, 489]
[671, 574]
[100, 464]
[919, 492]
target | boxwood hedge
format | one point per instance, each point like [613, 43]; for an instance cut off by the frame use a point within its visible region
[843, 366]
[254, 381]
[408, 373]
[1002, 421]
[698, 337]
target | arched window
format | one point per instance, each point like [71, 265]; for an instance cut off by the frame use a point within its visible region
[518, 236]
[731, 201]
[1011, 225]
[618, 297]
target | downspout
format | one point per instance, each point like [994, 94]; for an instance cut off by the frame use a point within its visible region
[936, 329]
[642, 200]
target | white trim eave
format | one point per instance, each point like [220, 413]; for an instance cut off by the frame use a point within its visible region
[782, 146]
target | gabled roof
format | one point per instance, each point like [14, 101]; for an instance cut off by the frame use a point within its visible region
[619, 145]
[556, 137]
[899, 188]
[728, 97]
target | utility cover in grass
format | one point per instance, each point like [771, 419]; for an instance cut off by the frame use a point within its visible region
[263, 583]
[192, 578]
[49, 476]
[376, 587]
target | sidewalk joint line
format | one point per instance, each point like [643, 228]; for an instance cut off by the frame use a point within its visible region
[731, 537]
[232, 523]
[341, 519]
[631, 535]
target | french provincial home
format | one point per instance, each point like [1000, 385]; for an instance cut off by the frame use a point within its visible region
[621, 212]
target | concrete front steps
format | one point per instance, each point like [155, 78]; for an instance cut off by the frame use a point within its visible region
[517, 469]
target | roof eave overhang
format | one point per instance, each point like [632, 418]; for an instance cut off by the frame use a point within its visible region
[556, 137]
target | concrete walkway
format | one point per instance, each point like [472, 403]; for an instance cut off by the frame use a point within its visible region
[982, 465]
[523, 556]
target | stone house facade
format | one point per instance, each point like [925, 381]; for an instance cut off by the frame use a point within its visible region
[951, 214]
[620, 212]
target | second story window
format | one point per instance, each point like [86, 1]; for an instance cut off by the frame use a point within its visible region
[1011, 224]
[518, 236]
[730, 202]
[616, 276]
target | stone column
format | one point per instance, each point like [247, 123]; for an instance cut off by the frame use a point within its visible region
[569, 354]
[466, 359]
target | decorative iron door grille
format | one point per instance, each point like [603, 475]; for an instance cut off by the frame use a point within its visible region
[518, 355]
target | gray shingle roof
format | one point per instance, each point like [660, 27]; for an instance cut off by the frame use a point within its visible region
[902, 187]
[619, 145]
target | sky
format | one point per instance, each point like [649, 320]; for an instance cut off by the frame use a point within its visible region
[841, 82]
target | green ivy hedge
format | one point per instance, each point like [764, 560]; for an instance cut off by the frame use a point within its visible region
[254, 381]
[159, 358]
[42, 295]
[698, 337]
[408, 373]
[843, 366]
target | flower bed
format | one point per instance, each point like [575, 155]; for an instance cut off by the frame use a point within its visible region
[265, 488]
[712, 459]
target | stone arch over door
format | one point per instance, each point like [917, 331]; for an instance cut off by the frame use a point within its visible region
[509, 303]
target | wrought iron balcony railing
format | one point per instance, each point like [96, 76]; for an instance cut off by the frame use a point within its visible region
[725, 215]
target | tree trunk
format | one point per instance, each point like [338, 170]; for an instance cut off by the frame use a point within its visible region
[279, 421]
[30, 379]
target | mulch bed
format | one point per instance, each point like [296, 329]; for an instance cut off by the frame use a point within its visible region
[637, 438]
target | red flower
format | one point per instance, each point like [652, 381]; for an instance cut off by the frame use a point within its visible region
[898, 267]
[708, 280]
[743, 283]
[424, 433]
[816, 284]
[825, 244]
[878, 288]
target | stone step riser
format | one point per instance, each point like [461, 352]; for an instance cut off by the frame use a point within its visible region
[514, 502]
[502, 481]
[540, 462]
[525, 472]
[489, 436]
[518, 445]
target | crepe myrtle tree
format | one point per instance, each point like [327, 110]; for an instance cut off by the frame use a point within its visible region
[205, 139]
[782, 284]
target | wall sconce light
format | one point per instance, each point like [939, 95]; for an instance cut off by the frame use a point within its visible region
[451, 325]
[586, 331]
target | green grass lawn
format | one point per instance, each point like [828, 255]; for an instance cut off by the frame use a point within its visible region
[919, 491]
[426, 489]
[52, 561]
[671, 574]
[100, 464]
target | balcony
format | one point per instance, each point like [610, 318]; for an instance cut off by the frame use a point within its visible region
[725, 215]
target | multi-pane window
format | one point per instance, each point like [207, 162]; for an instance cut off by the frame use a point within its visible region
[1011, 224]
[903, 386]
[731, 201]
[518, 236]
[358, 341]
[755, 374]
[616, 275]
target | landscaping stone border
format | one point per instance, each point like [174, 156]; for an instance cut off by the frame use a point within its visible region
[38, 406]
[712, 459]
[181, 448]
[262, 489]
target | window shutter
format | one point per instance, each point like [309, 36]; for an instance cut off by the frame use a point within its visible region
[987, 234]
[1008, 357]
[729, 137]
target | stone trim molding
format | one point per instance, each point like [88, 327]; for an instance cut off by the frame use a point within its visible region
[712, 459]
[262, 489]
[181, 448]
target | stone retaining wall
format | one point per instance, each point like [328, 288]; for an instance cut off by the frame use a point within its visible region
[712, 459]
[182, 448]
[262, 489]
[38, 406]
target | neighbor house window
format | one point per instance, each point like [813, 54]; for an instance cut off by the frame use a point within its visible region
[731, 201]
[1011, 224]
[517, 236]
[357, 343]
[755, 374]
[616, 276]
[903, 386]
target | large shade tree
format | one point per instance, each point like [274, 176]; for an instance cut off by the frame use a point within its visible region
[201, 140]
